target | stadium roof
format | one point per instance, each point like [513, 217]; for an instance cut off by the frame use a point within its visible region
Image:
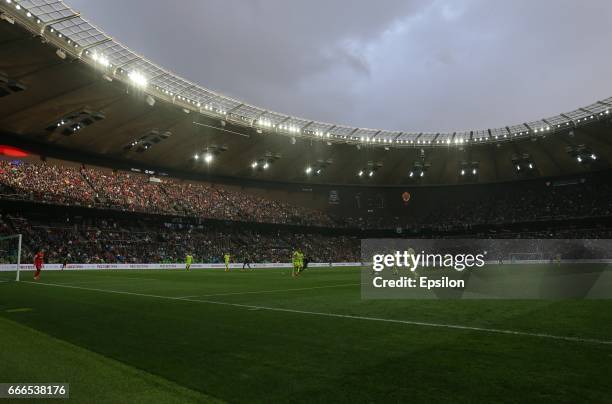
[122, 75]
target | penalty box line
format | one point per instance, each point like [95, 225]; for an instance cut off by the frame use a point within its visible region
[344, 316]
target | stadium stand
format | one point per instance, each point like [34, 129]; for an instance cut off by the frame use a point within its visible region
[142, 239]
[165, 218]
[135, 192]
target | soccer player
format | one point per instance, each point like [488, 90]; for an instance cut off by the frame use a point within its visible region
[226, 258]
[38, 263]
[294, 260]
[300, 261]
[65, 262]
[247, 262]
[188, 260]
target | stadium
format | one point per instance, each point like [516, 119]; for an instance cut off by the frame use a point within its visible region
[161, 241]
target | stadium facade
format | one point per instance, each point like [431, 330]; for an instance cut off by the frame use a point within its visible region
[70, 88]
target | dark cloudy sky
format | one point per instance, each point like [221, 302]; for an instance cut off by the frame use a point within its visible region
[393, 64]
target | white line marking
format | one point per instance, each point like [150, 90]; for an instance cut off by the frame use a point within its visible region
[272, 291]
[346, 316]
[109, 280]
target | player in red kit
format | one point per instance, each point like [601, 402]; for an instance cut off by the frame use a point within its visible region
[38, 264]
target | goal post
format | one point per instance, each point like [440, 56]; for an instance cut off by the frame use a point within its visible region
[10, 257]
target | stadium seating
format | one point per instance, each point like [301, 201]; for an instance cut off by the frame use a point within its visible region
[183, 208]
[146, 239]
[91, 187]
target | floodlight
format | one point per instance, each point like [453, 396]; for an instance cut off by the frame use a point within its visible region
[254, 165]
[266, 165]
[208, 157]
[593, 157]
[138, 79]
[308, 170]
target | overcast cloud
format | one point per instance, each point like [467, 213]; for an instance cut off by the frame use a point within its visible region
[426, 65]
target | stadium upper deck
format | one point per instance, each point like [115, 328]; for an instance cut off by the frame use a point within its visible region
[89, 93]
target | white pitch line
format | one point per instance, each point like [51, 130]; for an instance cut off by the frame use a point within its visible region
[90, 281]
[346, 316]
[272, 291]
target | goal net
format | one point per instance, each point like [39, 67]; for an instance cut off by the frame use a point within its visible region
[519, 257]
[10, 257]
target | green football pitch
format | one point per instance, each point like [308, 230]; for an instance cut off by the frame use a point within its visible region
[263, 336]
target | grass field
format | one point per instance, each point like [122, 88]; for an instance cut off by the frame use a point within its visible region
[262, 336]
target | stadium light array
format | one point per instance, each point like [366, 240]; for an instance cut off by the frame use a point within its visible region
[469, 168]
[101, 60]
[266, 123]
[138, 79]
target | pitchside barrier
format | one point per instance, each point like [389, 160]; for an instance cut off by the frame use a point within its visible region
[58, 267]
[72, 267]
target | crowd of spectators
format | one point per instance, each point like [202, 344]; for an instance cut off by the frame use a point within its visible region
[143, 239]
[499, 205]
[46, 182]
[527, 204]
[108, 240]
[136, 192]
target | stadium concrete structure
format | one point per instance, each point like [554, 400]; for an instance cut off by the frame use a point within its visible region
[70, 89]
